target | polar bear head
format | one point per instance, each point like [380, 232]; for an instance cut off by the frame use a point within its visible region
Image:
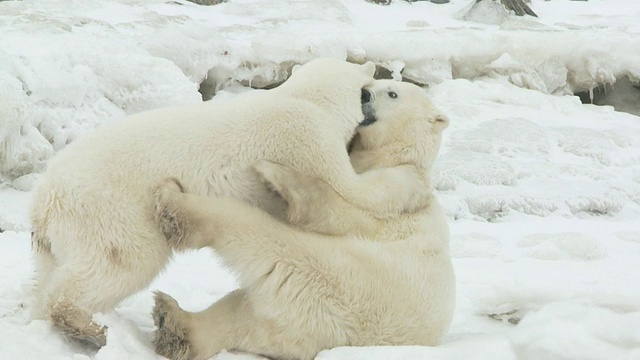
[335, 86]
[402, 128]
[400, 119]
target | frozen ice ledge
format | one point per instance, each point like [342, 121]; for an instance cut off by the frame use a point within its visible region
[68, 66]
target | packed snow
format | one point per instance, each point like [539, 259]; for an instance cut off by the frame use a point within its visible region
[542, 190]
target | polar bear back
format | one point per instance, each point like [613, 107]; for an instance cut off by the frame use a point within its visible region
[209, 146]
[95, 192]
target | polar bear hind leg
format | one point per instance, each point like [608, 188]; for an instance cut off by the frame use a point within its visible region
[171, 336]
[229, 324]
[45, 265]
[70, 289]
[272, 262]
[192, 222]
[56, 290]
[54, 294]
[78, 290]
[62, 304]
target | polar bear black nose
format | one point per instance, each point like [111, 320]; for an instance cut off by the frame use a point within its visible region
[365, 97]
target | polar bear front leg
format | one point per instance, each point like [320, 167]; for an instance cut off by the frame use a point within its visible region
[249, 240]
[385, 192]
[180, 217]
[172, 337]
[229, 324]
[184, 335]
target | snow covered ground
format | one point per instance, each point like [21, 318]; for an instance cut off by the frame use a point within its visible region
[543, 191]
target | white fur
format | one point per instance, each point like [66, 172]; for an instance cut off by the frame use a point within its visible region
[366, 281]
[95, 239]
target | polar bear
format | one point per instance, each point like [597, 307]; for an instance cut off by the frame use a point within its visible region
[365, 281]
[94, 237]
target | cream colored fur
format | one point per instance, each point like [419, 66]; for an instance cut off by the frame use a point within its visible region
[95, 240]
[364, 281]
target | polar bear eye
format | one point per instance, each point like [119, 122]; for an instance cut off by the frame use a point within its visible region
[392, 94]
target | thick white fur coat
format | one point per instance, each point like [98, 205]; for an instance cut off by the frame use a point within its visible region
[95, 239]
[343, 277]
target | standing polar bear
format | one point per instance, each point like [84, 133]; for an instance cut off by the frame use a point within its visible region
[94, 236]
[368, 281]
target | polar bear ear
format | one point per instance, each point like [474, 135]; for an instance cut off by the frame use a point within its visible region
[368, 68]
[295, 68]
[440, 121]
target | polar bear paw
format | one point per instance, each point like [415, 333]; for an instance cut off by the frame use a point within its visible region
[171, 337]
[281, 179]
[166, 210]
[269, 174]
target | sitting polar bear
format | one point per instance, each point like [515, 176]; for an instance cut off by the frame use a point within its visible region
[368, 281]
[94, 236]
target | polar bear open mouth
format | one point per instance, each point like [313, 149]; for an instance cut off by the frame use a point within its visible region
[366, 99]
[365, 96]
[352, 142]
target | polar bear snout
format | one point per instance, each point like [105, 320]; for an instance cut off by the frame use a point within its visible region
[367, 99]
[365, 96]
[369, 114]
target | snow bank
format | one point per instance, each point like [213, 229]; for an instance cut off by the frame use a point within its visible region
[68, 66]
[11, 217]
[480, 348]
[65, 75]
[524, 151]
[577, 330]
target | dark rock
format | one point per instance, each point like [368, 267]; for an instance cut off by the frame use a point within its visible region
[207, 2]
